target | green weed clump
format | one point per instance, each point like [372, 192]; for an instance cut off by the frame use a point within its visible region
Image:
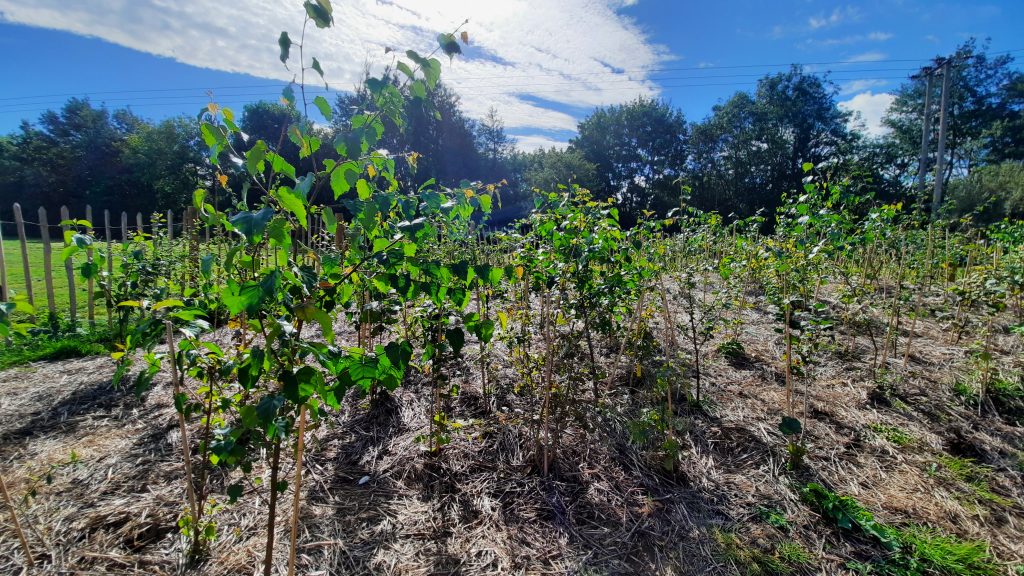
[749, 560]
[913, 550]
[47, 346]
[974, 477]
[893, 434]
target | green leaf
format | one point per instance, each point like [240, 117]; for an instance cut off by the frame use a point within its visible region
[808, 166]
[456, 339]
[169, 303]
[286, 44]
[432, 72]
[235, 492]
[449, 45]
[343, 178]
[324, 107]
[81, 240]
[252, 224]
[279, 164]
[418, 89]
[320, 12]
[316, 66]
[300, 385]
[363, 189]
[288, 95]
[242, 298]
[485, 203]
[254, 158]
[790, 426]
[404, 69]
[330, 220]
[293, 201]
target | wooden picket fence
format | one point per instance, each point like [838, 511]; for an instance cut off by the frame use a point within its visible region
[108, 235]
[187, 225]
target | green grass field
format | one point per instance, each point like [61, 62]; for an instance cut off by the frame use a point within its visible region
[16, 279]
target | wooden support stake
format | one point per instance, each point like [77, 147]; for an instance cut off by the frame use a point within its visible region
[3, 269]
[186, 451]
[170, 225]
[89, 283]
[44, 231]
[110, 266]
[69, 269]
[17, 527]
[20, 223]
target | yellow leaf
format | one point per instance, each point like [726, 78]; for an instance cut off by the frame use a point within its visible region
[465, 37]
[519, 272]
[212, 108]
[223, 179]
[371, 170]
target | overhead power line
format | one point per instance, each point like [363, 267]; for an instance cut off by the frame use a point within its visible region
[457, 83]
[536, 75]
[199, 96]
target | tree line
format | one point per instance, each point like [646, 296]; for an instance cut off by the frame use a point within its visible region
[646, 154]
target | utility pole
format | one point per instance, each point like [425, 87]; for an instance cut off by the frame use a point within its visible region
[940, 157]
[922, 162]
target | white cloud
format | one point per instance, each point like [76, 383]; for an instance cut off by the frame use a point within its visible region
[570, 53]
[873, 56]
[850, 39]
[532, 142]
[854, 86]
[868, 110]
[837, 16]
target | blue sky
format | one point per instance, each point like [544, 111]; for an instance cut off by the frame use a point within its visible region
[542, 64]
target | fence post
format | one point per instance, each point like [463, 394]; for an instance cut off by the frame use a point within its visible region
[170, 225]
[124, 226]
[3, 268]
[69, 269]
[44, 231]
[89, 283]
[139, 224]
[20, 222]
[110, 267]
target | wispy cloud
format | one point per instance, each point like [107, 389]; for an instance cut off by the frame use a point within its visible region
[573, 54]
[838, 16]
[532, 142]
[873, 56]
[850, 39]
[855, 86]
[868, 111]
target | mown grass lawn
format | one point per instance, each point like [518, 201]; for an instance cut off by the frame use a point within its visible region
[16, 278]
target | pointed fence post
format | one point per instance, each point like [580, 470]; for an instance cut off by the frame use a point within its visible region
[110, 266]
[44, 232]
[19, 221]
[69, 268]
[89, 283]
[3, 268]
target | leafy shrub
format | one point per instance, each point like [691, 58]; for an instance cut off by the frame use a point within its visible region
[989, 194]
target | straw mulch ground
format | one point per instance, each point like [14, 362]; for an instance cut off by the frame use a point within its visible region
[375, 504]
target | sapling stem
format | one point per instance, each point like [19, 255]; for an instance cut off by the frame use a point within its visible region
[297, 494]
[268, 558]
[183, 428]
[17, 526]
